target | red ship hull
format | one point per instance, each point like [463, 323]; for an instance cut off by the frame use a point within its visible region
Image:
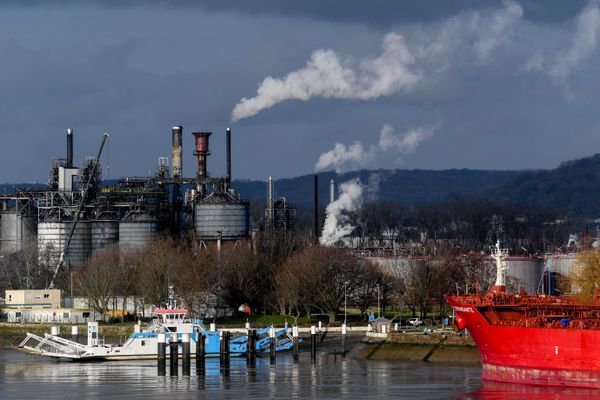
[534, 355]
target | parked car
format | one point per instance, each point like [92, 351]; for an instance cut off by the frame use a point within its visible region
[415, 321]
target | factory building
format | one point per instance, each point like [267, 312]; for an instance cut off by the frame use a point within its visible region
[76, 216]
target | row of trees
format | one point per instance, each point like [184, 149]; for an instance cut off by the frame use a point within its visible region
[278, 275]
[274, 274]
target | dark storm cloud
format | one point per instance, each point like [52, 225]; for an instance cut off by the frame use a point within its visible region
[497, 89]
[376, 13]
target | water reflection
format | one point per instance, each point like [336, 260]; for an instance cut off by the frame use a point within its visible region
[25, 376]
[498, 390]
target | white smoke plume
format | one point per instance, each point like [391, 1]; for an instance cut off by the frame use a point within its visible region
[498, 29]
[337, 223]
[583, 43]
[399, 68]
[326, 75]
[405, 143]
[343, 157]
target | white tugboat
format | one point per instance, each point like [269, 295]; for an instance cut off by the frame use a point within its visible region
[143, 345]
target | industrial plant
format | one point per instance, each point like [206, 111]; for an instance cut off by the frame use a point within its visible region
[76, 215]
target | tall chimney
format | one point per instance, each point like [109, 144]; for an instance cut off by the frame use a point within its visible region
[316, 207]
[176, 159]
[331, 191]
[270, 201]
[201, 151]
[229, 157]
[69, 147]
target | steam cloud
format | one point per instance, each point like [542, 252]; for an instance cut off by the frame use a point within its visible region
[583, 43]
[337, 223]
[342, 156]
[326, 75]
[399, 68]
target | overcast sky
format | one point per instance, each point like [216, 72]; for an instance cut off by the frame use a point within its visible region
[304, 85]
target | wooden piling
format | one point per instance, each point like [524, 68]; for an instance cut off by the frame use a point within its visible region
[185, 347]
[313, 343]
[174, 347]
[162, 356]
[272, 343]
[200, 353]
[344, 340]
[296, 343]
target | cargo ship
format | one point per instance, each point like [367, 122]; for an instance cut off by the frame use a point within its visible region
[532, 339]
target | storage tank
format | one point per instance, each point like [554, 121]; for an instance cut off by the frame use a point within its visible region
[52, 238]
[16, 230]
[221, 216]
[137, 233]
[104, 234]
[527, 270]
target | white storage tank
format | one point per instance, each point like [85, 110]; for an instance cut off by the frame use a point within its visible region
[137, 233]
[16, 230]
[52, 238]
[104, 234]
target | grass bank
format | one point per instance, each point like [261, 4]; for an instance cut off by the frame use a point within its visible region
[402, 347]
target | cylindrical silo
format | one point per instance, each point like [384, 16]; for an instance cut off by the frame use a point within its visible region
[16, 230]
[104, 234]
[526, 270]
[219, 216]
[137, 233]
[52, 238]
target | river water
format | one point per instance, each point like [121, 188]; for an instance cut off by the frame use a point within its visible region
[24, 376]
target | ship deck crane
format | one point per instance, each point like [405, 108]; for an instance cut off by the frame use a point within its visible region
[84, 193]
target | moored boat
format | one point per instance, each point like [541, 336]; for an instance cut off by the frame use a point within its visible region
[143, 345]
[534, 339]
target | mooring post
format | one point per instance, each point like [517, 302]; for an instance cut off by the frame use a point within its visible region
[225, 353]
[221, 345]
[75, 333]
[344, 340]
[162, 355]
[253, 347]
[185, 346]
[313, 343]
[272, 340]
[174, 346]
[200, 353]
[296, 342]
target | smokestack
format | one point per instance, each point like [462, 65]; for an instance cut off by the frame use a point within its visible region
[69, 147]
[331, 191]
[229, 157]
[176, 159]
[270, 201]
[316, 207]
[201, 151]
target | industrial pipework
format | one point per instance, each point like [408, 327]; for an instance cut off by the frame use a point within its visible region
[201, 151]
[176, 152]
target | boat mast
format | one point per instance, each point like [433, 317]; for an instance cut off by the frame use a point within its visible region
[499, 255]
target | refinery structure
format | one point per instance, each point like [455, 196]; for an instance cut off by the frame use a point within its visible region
[76, 215]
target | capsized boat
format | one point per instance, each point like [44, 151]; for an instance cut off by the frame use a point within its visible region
[143, 345]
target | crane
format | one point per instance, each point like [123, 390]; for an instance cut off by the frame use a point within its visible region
[84, 193]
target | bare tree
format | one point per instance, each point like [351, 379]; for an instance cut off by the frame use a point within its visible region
[24, 269]
[99, 281]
